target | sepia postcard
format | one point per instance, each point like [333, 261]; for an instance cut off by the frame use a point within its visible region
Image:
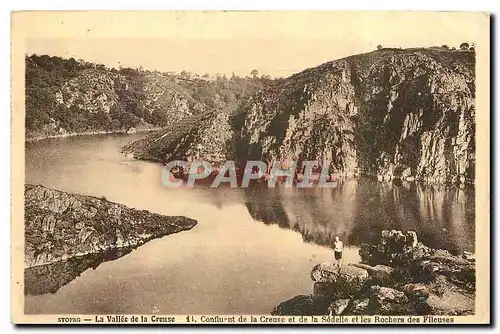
[266, 167]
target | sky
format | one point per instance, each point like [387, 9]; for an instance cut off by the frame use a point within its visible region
[274, 43]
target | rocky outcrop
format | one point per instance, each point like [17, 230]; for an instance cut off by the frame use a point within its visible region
[410, 258]
[61, 226]
[394, 113]
[162, 94]
[346, 280]
[402, 277]
[208, 136]
[92, 91]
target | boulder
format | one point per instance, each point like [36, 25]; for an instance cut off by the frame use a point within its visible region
[419, 252]
[440, 285]
[301, 305]
[458, 270]
[450, 303]
[324, 272]
[426, 271]
[383, 300]
[358, 307]
[381, 294]
[338, 306]
[416, 292]
[414, 262]
[323, 290]
[345, 281]
[379, 274]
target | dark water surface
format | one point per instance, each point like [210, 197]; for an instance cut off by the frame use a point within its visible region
[251, 249]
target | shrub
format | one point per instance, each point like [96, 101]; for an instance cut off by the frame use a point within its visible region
[464, 46]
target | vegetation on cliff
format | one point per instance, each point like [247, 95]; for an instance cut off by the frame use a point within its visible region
[68, 96]
[393, 113]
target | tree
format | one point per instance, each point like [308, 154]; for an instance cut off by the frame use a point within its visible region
[254, 73]
[464, 46]
[445, 46]
[379, 47]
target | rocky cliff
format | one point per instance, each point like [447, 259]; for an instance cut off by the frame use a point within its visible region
[61, 226]
[393, 113]
[208, 135]
[68, 97]
[399, 276]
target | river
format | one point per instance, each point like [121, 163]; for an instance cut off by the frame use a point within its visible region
[252, 248]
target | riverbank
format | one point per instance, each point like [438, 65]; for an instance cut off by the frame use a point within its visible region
[61, 226]
[30, 137]
[397, 276]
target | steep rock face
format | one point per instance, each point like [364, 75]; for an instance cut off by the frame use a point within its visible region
[208, 135]
[311, 116]
[92, 91]
[60, 226]
[162, 95]
[68, 97]
[96, 91]
[392, 113]
[153, 99]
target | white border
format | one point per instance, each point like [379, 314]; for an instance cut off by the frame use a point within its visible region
[7, 6]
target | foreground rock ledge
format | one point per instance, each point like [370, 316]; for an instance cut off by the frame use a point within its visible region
[60, 225]
[398, 276]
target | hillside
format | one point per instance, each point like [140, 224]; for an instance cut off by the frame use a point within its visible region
[392, 112]
[66, 96]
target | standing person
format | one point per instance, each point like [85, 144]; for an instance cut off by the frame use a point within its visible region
[338, 248]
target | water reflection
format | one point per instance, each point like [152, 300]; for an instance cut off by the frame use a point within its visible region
[443, 217]
[188, 272]
[356, 212]
[51, 277]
